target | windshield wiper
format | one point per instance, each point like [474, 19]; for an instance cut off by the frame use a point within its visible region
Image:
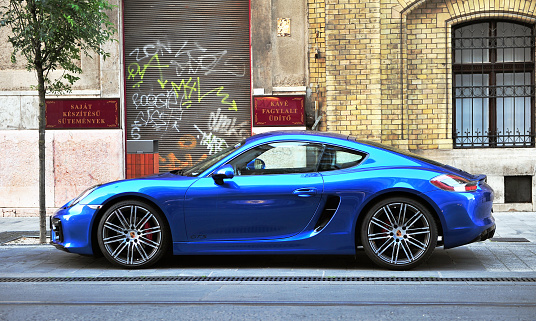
[177, 172]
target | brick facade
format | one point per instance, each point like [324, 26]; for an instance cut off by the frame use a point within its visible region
[385, 68]
[317, 54]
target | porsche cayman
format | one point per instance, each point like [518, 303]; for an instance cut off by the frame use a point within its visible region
[284, 193]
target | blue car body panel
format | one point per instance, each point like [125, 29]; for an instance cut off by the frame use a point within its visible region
[279, 214]
[246, 208]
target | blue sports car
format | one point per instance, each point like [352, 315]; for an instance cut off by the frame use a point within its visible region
[284, 193]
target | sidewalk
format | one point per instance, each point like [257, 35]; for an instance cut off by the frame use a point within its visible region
[516, 225]
[511, 253]
[509, 225]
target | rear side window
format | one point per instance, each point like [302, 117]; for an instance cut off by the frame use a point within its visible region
[335, 158]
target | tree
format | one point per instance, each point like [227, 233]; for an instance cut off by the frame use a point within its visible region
[52, 35]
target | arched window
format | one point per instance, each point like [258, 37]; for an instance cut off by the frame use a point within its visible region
[493, 78]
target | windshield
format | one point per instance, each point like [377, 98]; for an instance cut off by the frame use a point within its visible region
[209, 161]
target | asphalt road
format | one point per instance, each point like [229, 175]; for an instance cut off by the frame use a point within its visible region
[42, 283]
[267, 301]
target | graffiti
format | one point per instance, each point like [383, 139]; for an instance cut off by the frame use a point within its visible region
[191, 59]
[135, 69]
[187, 142]
[189, 87]
[150, 117]
[150, 50]
[172, 162]
[169, 88]
[200, 60]
[221, 123]
[161, 112]
[214, 144]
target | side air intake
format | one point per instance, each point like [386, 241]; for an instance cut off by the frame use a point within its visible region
[329, 210]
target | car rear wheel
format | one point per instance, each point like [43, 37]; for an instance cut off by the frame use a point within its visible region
[133, 234]
[399, 233]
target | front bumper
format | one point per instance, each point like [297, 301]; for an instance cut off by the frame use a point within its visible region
[71, 229]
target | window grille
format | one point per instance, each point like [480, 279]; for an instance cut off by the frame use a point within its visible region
[493, 76]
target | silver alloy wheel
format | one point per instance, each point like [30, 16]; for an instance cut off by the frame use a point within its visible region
[399, 234]
[131, 235]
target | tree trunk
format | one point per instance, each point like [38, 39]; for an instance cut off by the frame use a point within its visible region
[41, 89]
[42, 168]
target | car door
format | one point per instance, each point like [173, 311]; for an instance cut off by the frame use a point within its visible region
[275, 193]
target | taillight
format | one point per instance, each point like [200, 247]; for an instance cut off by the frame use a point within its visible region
[453, 183]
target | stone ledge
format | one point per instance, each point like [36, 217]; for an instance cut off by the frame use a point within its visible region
[23, 212]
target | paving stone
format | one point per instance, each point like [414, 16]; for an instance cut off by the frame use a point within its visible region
[482, 259]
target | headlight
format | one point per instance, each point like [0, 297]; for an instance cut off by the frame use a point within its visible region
[83, 195]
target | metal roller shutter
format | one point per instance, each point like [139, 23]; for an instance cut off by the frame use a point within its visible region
[187, 71]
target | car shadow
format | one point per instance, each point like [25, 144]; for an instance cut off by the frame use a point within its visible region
[267, 261]
[457, 259]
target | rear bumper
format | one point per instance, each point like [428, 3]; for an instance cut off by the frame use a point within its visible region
[465, 217]
[487, 234]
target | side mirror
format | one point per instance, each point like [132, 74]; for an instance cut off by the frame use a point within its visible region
[225, 171]
[255, 164]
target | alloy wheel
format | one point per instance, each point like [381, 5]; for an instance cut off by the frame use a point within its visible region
[399, 234]
[132, 235]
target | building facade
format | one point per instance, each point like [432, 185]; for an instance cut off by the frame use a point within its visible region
[451, 80]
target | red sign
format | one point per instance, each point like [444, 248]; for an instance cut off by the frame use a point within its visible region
[82, 113]
[279, 111]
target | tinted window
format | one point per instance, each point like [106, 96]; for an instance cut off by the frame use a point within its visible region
[278, 158]
[211, 160]
[339, 158]
[401, 151]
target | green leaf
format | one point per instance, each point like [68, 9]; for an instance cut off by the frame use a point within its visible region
[52, 34]
[71, 21]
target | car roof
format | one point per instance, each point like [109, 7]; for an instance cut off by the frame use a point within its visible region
[280, 133]
[302, 134]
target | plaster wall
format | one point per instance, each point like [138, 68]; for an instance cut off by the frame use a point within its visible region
[278, 61]
[98, 74]
[496, 164]
[289, 54]
[75, 159]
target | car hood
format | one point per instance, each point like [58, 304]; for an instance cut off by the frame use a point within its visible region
[152, 187]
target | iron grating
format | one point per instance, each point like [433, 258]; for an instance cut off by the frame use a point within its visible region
[510, 239]
[261, 279]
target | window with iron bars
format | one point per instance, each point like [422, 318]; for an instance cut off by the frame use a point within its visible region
[493, 84]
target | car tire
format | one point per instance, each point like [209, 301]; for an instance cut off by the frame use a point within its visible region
[398, 233]
[133, 234]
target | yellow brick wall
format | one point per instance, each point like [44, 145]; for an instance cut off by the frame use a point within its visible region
[394, 116]
[426, 77]
[353, 87]
[387, 68]
[317, 66]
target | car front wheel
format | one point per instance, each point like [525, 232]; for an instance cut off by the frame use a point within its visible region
[399, 233]
[132, 234]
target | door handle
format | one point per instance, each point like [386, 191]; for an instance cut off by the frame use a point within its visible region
[305, 192]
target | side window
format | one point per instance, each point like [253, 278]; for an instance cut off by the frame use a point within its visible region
[278, 158]
[339, 158]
